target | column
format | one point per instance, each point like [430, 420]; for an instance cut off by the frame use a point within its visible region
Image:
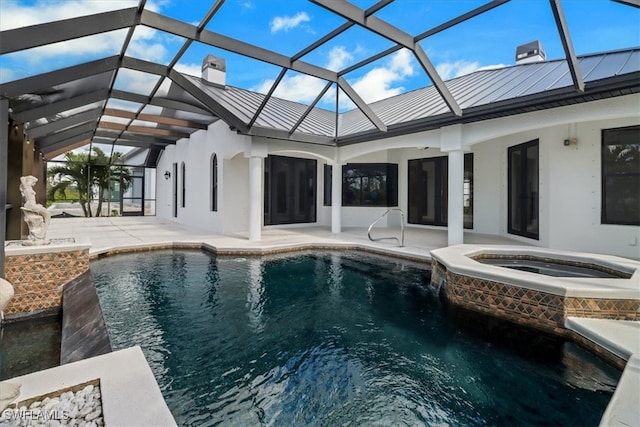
[336, 198]
[451, 143]
[456, 198]
[255, 198]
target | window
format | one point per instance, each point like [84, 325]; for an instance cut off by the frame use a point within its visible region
[369, 184]
[621, 176]
[328, 179]
[428, 191]
[214, 183]
[365, 184]
[289, 190]
[174, 169]
[523, 190]
[184, 187]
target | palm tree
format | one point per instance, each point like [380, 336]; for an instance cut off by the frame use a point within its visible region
[90, 175]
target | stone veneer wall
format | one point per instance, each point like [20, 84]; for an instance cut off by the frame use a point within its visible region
[527, 306]
[37, 278]
[532, 308]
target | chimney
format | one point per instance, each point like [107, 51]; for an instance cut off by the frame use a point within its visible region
[214, 70]
[530, 52]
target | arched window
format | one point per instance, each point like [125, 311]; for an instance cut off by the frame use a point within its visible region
[214, 183]
[184, 187]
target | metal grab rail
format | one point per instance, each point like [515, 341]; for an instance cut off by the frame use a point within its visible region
[401, 240]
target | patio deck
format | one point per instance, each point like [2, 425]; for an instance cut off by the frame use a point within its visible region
[108, 233]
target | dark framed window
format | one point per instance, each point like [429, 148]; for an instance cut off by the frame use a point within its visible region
[175, 189]
[328, 180]
[428, 191]
[364, 184]
[523, 183]
[621, 176]
[214, 183]
[370, 184]
[289, 190]
[183, 173]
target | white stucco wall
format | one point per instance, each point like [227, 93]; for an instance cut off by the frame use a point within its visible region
[570, 189]
[196, 152]
[569, 177]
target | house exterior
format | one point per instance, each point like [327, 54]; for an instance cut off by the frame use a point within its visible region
[524, 161]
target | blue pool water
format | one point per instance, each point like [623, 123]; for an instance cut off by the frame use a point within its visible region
[335, 338]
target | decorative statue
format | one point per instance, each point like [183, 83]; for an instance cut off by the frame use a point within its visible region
[35, 215]
[6, 293]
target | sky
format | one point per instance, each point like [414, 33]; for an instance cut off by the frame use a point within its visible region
[288, 26]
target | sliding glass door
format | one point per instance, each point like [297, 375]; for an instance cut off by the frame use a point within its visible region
[289, 190]
[429, 190]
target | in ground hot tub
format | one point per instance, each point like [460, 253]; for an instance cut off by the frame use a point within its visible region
[538, 287]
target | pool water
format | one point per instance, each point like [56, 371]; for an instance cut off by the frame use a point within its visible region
[548, 268]
[28, 346]
[335, 338]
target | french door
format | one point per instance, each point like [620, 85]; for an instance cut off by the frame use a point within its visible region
[523, 211]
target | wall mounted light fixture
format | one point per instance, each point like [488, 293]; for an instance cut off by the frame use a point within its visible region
[167, 174]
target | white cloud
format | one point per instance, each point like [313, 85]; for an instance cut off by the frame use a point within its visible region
[147, 43]
[286, 23]
[14, 15]
[135, 81]
[247, 4]
[6, 74]
[451, 70]
[378, 83]
[190, 69]
[299, 88]
[338, 58]
[302, 87]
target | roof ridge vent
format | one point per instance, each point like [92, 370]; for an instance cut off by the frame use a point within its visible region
[530, 52]
[214, 70]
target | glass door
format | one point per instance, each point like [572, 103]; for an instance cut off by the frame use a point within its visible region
[524, 190]
[290, 190]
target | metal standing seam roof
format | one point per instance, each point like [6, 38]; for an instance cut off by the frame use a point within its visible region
[68, 108]
[478, 89]
[505, 87]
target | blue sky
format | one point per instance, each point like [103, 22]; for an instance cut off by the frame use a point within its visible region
[287, 26]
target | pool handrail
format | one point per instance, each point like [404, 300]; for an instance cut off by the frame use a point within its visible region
[401, 240]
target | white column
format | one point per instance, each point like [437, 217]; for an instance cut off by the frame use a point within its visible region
[456, 198]
[336, 198]
[451, 143]
[255, 198]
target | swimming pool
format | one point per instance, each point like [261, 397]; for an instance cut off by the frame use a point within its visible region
[334, 338]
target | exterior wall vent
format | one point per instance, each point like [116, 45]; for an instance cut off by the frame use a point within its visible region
[530, 52]
[214, 70]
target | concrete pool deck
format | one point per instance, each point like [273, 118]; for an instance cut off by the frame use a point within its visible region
[114, 234]
[110, 233]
